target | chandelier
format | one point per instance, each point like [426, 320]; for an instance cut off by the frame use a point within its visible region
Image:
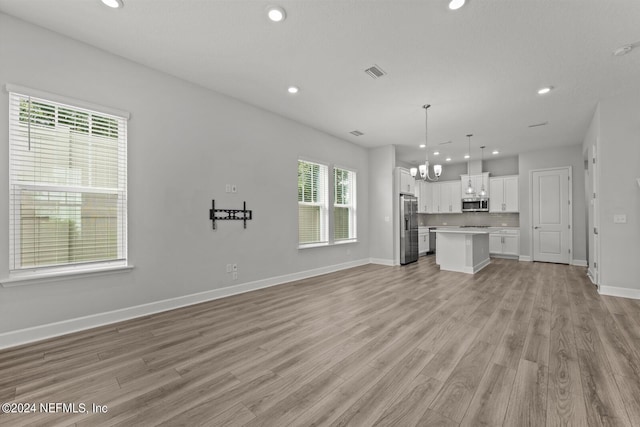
[424, 168]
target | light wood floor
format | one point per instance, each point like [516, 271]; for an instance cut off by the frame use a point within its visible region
[517, 344]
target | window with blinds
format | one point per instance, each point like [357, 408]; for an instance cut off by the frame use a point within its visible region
[68, 186]
[344, 206]
[313, 227]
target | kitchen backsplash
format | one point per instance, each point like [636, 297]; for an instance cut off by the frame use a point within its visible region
[471, 218]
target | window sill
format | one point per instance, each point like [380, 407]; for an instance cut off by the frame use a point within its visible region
[326, 244]
[313, 245]
[21, 279]
[345, 241]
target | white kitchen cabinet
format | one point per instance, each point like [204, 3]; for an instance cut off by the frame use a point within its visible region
[477, 181]
[423, 243]
[505, 243]
[435, 197]
[406, 183]
[446, 197]
[504, 194]
[456, 198]
[423, 193]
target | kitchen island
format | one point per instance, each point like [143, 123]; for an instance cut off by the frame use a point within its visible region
[465, 250]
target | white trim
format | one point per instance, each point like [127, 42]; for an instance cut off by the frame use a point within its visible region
[380, 261]
[467, 269]
[524, 258]
[22, 90]
[22, 279]
[590, 275]
[41, 332]
[619, 292]
[579, 262]
[570, 195]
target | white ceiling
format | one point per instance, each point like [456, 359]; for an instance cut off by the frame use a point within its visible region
[479, 67]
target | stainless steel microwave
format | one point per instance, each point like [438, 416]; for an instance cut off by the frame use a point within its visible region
[475, 204]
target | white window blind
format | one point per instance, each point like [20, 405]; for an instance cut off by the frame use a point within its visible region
[344, 207]
[68, 186]
[313, 198]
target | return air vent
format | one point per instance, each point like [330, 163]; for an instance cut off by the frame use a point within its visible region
[445, 143]
[375, 72]
[538, 124]
[356, 133]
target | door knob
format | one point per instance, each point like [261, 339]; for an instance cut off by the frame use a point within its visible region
[535, 228]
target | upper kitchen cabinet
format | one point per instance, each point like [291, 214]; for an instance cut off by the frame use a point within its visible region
[504, 194]
[406, 183]
[446, 197]
[477, 181]
[424, 194]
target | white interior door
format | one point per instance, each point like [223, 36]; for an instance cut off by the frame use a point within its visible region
[551, 217]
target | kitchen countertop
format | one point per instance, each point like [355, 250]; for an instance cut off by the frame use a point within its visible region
[464, 230]
[492, 229]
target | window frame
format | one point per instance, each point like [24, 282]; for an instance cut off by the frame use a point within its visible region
[323, 206]
[352, 205]
[34, 274]
[328, 210]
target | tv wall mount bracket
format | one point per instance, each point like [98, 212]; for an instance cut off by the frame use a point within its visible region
[229, 214]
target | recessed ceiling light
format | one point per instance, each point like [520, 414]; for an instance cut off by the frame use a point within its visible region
[545, 90]
[422, 145]
[293, 89]
[448, 159]
[275, 13]
[114, 4]
[495, 152]
[436, 153]
[466, 156]
[456, 4]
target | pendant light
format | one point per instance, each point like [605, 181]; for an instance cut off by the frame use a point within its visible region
[470, 189]
[483, 192]
[424, 168]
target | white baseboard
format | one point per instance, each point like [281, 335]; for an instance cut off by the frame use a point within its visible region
[591, 276]
[41, 332]
[388, 262]
[619, 292]
[524, 258]
[579, 262]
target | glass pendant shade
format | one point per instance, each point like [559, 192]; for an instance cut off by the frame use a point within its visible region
[437, 170]
[423, 170]
[413, 172]
[470, 189]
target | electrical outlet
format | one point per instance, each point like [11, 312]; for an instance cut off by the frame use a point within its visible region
[234, 188]
[234, 276]
[619, 219]
[234, 267]
[229, 268]
[227, 188]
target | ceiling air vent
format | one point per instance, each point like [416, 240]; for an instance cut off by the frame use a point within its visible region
[356, 133]
[375, 72]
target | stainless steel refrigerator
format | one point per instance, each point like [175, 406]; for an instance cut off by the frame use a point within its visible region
[408, 229]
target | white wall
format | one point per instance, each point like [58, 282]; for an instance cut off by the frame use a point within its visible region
[382, 161]
[185, 144]
[591, 141]
[619, 166]
[551, 158]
